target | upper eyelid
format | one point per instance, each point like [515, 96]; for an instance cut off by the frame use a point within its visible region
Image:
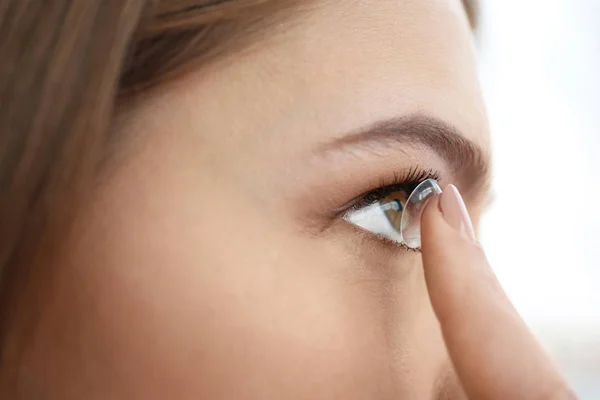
[386, 190]
[468, 161]
[354, 203]
[406, 184]
[330, 184]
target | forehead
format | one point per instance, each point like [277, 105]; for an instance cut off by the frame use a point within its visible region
[341, 65]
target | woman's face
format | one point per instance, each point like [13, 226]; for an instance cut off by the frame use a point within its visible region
[215, 263]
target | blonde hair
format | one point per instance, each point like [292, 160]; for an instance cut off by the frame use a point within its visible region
[64, 66]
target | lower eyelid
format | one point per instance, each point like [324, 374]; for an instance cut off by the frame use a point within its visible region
[382, 243]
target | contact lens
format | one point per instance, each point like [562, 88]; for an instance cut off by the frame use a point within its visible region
[410, 220]
[397, 216]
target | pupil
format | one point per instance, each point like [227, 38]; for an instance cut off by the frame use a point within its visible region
[398, 206]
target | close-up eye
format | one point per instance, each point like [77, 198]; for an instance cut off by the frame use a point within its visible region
[394, 212]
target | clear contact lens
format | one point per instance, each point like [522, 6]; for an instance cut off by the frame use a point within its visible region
[397, 216]
[410, 222]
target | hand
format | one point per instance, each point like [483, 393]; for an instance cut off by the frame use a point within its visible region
[492, 350]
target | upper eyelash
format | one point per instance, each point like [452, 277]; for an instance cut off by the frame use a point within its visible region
[414, 174]
[406, 182]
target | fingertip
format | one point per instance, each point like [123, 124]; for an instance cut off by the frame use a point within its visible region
[483, 333]
[434, 229]
[432, 215]
[433, 239]
[446, 225]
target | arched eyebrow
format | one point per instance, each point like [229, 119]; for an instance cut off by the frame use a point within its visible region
[468, 162]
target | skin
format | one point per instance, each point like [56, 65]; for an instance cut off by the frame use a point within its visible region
[209, 264]
[495, 354]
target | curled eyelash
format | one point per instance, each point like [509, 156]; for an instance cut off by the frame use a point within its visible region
[406, 182]
[416, 174]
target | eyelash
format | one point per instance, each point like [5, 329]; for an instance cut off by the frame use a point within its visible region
[406, 182]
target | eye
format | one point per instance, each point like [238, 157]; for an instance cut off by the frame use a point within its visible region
[394, 212]
[382, 217]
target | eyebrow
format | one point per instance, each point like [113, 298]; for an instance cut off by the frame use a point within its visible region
[468, 161]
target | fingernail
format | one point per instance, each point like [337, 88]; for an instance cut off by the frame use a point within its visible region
[455, 212]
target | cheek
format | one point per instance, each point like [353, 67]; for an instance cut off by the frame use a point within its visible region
[201, 294]
[183, 295]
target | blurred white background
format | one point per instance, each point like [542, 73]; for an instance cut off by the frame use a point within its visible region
[540, 65]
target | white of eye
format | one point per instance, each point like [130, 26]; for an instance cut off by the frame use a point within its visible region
[373, 219]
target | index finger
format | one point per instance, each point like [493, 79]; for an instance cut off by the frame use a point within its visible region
[491, 348]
